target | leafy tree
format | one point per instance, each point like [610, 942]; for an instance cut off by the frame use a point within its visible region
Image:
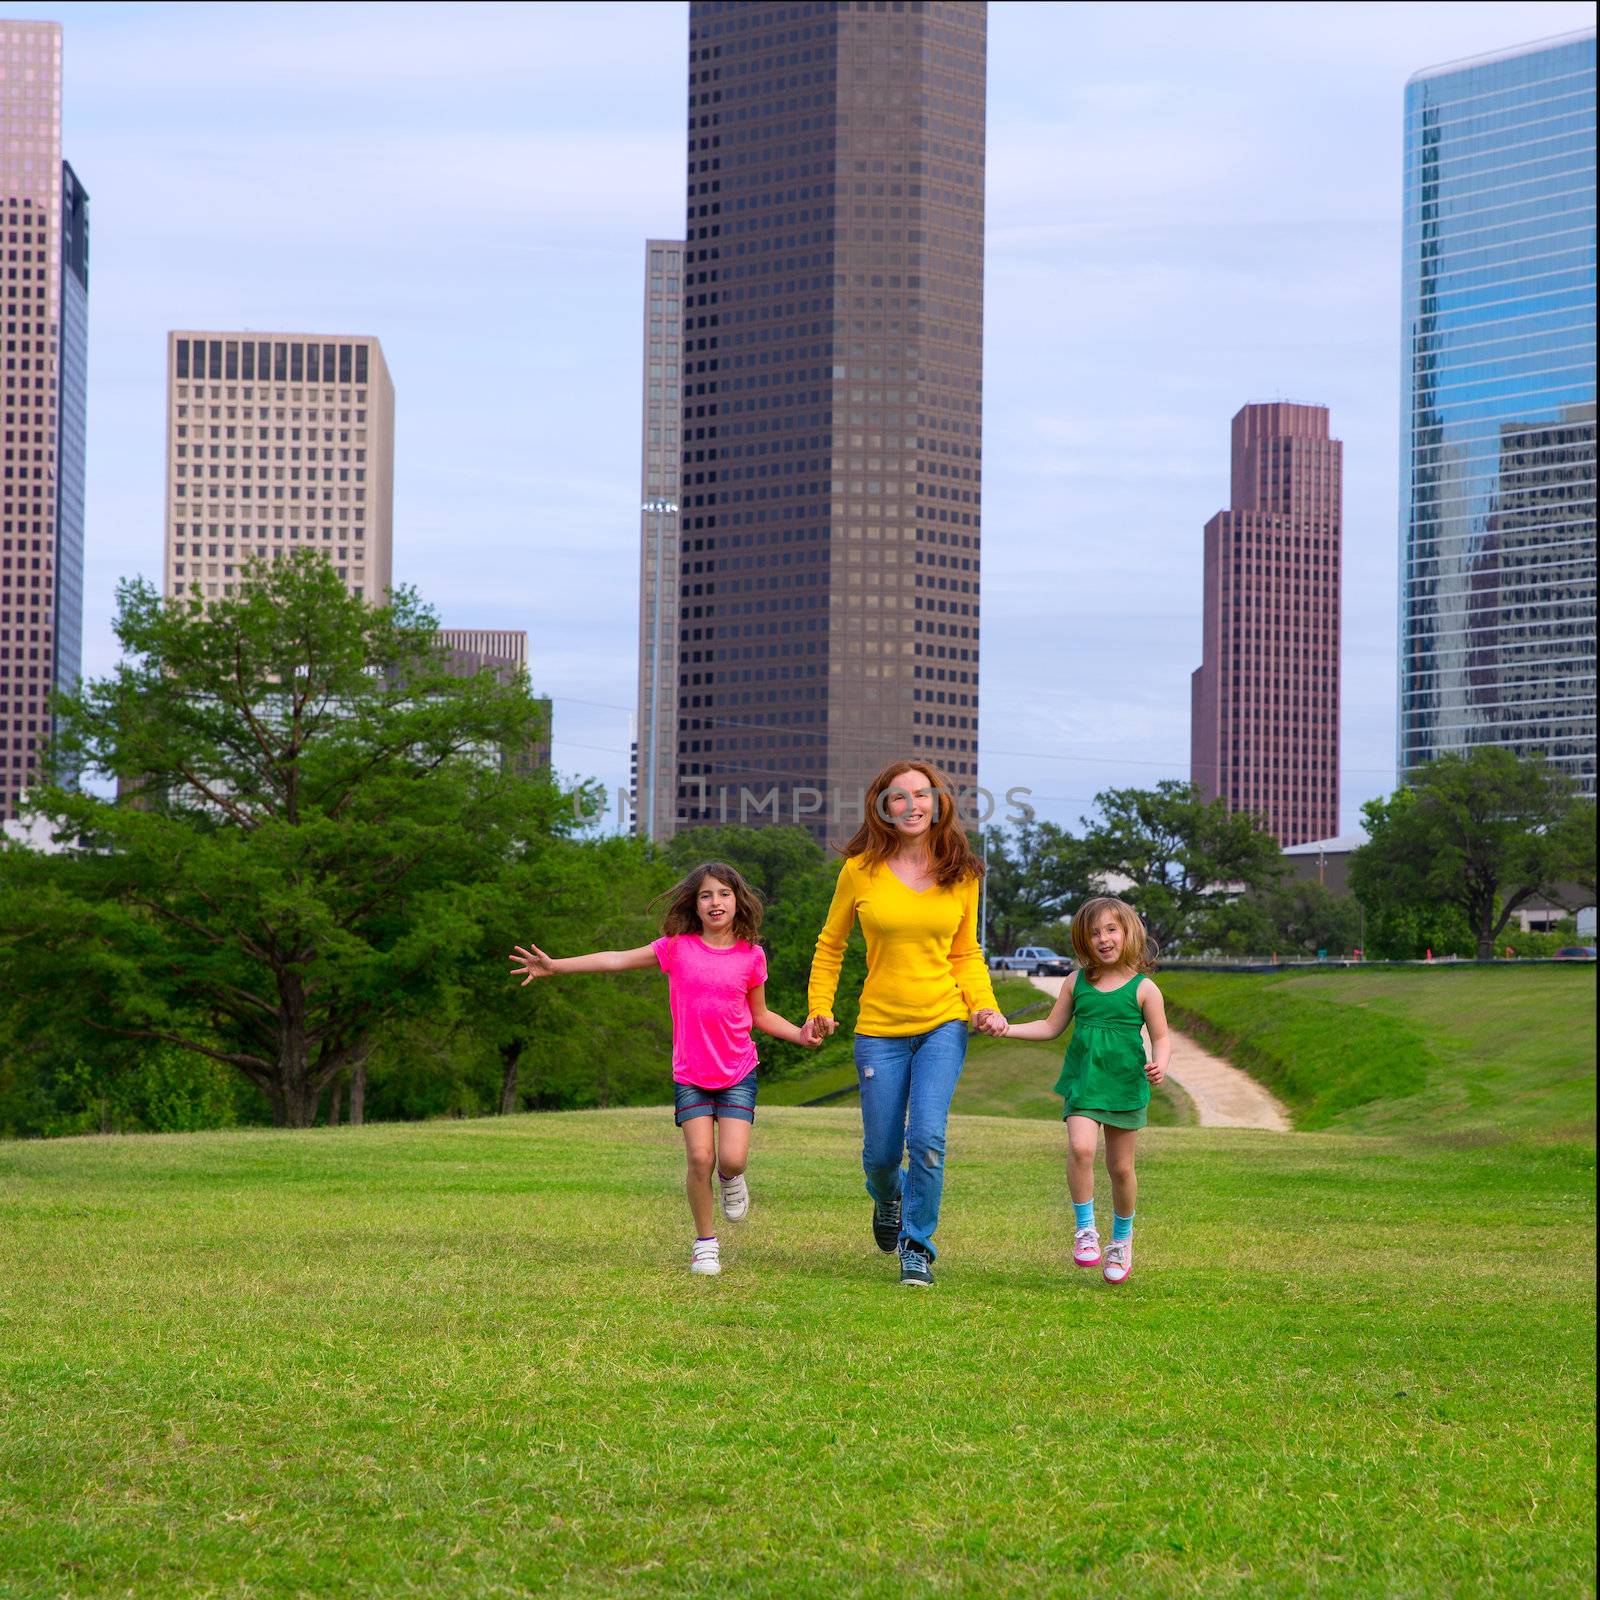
[1482, 832]
[796, 879]
[307, 797]
[1298, 917]
[1181, 857]
[1037, 873]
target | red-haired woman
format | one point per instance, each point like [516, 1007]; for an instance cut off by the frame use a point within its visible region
[912, 879]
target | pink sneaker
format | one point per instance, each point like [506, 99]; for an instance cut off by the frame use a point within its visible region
[1119, 1261]
[1086, 1248]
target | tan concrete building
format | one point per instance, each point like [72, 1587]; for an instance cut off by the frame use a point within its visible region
[278, 442]
[44, 298]
[504, 652]
[655, 759]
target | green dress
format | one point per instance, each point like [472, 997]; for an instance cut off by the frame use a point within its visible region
[1103, 1074]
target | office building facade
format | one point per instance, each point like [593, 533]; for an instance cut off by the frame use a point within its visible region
[655, 754]
[503, 652]
[1264, 702]
[1497, 465]
[831, 465]
[277, 442]
[45, 299]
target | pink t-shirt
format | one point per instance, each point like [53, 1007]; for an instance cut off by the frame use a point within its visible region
[709, 993]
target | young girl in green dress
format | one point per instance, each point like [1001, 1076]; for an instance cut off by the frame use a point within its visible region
[1106, 1077]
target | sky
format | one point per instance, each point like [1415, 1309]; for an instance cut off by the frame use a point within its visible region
[1190, 207]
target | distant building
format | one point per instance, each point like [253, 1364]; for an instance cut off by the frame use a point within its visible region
[831, 476]
[504, 652]
[655, 754]
[1497, 454]
[278, 442]
[1264, 702]
[1325, 861]
[45, 301]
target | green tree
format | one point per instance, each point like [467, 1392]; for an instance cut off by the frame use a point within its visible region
[795, 877]
[1297, 917]
[1037, 873]
[1482, 832]
[1182, 857]
[306, 799]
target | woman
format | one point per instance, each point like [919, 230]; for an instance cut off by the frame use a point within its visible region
[912, 879]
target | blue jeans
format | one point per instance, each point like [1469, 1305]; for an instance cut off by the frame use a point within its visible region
[906, 1086]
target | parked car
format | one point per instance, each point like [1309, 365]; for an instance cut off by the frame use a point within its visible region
[1033, 959]
[1576, 952]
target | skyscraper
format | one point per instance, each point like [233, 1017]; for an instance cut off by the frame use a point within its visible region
[1497, 462]
[1264, 703]
[277, 442]
[45, 297]
[655, 749]
[832, 408]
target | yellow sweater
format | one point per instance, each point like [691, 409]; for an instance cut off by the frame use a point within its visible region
[924, 965]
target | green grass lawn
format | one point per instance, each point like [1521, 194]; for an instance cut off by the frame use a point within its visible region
[1509, 1049]
[999, 1079]
[467, 1359]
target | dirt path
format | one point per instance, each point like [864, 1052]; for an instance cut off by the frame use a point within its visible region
[1224, 1097]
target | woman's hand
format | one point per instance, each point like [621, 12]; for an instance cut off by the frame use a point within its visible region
[990, 1022]
[818, 1028]
[532, 963]
[1155, 1072]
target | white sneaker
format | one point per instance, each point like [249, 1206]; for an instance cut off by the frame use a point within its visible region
[1086, 1247]
[735, 1197]
[1119, 1261]
[706, 1259]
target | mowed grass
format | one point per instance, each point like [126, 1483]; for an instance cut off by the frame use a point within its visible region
[467, 1359]
[1508, 1049]
[999, 1079]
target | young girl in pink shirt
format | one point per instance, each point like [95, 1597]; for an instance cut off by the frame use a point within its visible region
[716, 989]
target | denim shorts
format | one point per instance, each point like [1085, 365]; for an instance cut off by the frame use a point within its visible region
[736, 1103]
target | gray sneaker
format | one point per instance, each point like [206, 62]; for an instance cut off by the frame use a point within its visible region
[886, 1224]
[916, 1266]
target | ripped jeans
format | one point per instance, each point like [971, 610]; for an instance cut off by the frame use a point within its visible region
[906, 1086]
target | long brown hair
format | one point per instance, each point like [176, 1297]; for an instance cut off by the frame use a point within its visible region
[1138, 948]
[683, 915]
[949, 854]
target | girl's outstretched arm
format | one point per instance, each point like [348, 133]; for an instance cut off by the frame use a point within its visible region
[534, 963]
[771, 1022]
[1052, 1026]
[1155, 1021]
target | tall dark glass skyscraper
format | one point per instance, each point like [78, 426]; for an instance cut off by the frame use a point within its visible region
[832, 410]
[1497, 468]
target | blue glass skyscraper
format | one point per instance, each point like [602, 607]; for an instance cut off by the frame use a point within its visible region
[1497, 462]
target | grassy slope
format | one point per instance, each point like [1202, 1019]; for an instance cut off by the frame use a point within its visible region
[1507, 1048]
[466, 1359]
[998, 1080]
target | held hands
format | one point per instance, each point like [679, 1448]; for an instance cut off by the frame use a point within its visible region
[531, 963]
[817, 1029]
[1155, 1072]
[991, 1022]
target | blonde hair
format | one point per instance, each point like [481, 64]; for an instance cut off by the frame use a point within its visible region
[1138, 948]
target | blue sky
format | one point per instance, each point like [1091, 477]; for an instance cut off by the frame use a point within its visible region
[1190, 207]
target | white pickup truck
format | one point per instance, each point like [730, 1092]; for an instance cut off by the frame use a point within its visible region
[1033, 959]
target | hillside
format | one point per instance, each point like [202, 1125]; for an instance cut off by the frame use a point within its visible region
[466, 1359]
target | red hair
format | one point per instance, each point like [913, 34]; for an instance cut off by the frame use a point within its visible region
[949, 854]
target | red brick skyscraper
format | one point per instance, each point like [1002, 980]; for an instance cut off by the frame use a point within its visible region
[831, 474]
[1264, 728]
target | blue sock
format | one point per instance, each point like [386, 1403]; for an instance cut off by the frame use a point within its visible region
[1121, 1229]
[1084, 1211]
